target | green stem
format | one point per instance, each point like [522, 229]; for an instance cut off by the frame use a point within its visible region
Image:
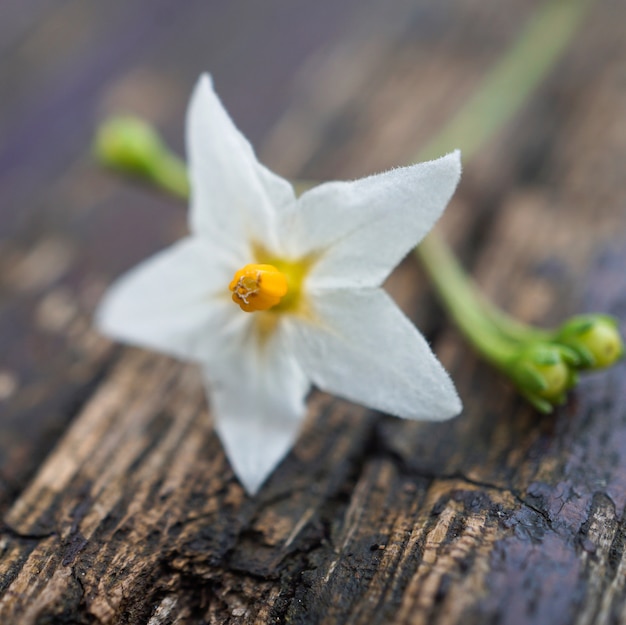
[502, 94]
[170, 173]
[509, 85]
[461, 295]
[464, 302]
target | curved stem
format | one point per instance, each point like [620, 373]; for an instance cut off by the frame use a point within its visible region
[511, 82]
[497, 100]
[464, 303]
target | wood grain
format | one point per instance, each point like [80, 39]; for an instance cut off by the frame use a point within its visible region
[120, 505]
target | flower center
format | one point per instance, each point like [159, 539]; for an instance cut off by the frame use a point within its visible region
[258, 287]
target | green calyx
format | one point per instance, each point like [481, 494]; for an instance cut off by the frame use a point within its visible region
[543, 364]
[543, 372]
[595, 338]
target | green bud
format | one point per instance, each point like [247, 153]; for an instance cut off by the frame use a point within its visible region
[556, 379]
[129, 144]
[544, 373]
[595, 338]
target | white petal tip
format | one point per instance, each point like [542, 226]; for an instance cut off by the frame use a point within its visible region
[109, 317]
[453, 408]
[254, 460]
[205, 81]
[452, 160]
[251, 485]
[456, 155]
[444, 407]
[202, 93]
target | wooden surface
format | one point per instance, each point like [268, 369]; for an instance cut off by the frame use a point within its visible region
[118, 503]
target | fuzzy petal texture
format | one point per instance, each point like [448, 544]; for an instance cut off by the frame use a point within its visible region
[362, 229]
[175, 302]
[363, 348]
[234, 199]
[349, 338]
[257, 393]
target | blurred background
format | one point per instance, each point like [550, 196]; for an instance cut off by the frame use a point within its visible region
[323, 90]
[311, 84]
[329, 90]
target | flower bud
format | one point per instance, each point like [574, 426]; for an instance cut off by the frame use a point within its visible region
[595, 338]
[128, 144]
[544, 373]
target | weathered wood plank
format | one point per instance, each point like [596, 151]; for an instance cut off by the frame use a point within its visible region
[501, 516]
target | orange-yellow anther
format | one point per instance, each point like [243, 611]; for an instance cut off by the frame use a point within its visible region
[258, 287]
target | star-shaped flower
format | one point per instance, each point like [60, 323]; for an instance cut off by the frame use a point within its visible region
[271, 293]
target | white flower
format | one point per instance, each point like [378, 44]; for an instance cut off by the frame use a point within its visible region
[334, 327]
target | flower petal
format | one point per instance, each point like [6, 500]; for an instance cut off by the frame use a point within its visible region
[362, 229]
[257, 392]
[234, 199]
[364, 349]
[176, 302]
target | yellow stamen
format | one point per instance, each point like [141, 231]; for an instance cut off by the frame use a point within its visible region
[258, 287]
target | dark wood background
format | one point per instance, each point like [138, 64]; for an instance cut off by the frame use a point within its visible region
[117, 502]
